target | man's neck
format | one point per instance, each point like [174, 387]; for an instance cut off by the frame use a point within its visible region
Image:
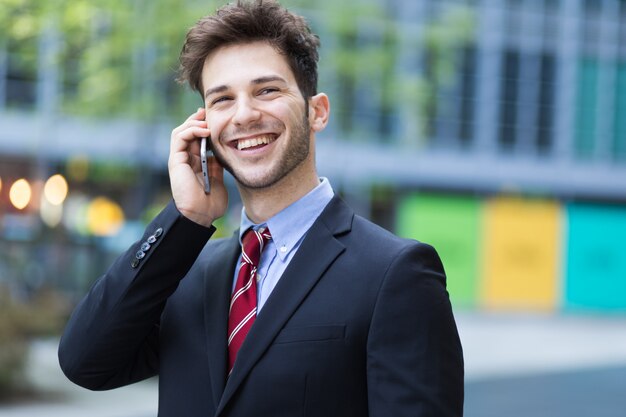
[262, 204]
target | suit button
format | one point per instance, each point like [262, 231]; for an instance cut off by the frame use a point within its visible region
[158, 232]
[151, 239]
[135, 263]
[140, 254]
[145, 246]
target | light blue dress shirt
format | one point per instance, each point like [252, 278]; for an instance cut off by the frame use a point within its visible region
[288, 229]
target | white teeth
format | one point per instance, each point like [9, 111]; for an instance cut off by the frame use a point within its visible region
[249, 143]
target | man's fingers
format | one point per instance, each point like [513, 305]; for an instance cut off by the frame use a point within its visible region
[187, 124]
[189, 137]
[193, 119]
[195, 163]
[194, 127]
[186, 158]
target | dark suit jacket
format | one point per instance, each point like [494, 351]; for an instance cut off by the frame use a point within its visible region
[359, 325]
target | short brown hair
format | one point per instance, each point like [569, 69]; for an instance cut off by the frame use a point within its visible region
[250, 21]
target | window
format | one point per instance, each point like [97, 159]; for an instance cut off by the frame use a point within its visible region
[545, 107]
[587, 99]
[21, 74]
[508, 99]
[619, 144]
[468, 95]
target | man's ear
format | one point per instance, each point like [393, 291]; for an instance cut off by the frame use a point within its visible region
[319, 111]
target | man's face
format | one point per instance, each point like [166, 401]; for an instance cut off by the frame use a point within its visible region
[256, 113]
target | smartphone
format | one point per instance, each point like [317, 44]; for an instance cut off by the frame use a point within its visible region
[203, 159]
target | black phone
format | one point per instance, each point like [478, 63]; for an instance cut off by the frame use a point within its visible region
[204, 143]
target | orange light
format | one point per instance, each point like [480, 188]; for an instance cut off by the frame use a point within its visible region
[104, 217]
[20, 194]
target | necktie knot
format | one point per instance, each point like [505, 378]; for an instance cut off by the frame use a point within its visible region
[252, 243]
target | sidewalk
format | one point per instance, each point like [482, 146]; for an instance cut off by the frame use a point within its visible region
[516, 365]
[497, 345]
[544, 366]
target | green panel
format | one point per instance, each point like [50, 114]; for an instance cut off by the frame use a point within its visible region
[596, 261]
[587, 100]
[451, 225]
[620, 114]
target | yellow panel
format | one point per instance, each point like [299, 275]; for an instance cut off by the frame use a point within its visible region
[521, 256]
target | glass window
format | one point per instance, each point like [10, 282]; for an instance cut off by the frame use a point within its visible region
[468, 95]
[21, 74]
[587, 100]
[508, 99]
[619, 146]
[545, 108]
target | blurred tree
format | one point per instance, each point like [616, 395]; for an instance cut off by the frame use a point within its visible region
[119, 57]
[116, 57]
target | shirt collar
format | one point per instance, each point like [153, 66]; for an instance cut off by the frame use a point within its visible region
[290, 225]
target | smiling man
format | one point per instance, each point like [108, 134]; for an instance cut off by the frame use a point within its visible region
[309, 309]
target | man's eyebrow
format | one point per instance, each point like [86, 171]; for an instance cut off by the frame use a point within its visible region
[214, 90]
[268, 79]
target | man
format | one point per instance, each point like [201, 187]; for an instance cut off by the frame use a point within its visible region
[337, 318]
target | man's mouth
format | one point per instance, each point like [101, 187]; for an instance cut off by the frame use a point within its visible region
[253, 143]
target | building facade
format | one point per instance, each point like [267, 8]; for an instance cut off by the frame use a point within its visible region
[520, 140]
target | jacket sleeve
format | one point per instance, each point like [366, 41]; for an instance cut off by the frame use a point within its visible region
[111, 338]
[414, 355]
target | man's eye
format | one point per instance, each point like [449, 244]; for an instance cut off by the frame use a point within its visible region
[220, 100]
[268, 90]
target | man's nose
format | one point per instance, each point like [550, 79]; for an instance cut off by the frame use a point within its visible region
[245, 111]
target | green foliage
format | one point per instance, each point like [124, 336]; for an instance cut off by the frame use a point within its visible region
[113, 172]
[116, 57]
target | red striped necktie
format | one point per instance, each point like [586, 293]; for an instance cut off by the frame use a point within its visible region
[243, 303]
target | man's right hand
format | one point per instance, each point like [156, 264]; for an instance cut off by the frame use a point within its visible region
[185, 172]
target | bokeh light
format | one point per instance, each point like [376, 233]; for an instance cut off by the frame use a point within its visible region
[20, 193]
[55, 190]
[75, 214]
[104, 217]
[51, 214]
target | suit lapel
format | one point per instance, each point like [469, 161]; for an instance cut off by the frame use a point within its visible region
[318, 250]
[218, 282]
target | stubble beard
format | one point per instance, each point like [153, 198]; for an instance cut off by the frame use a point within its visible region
[295, 154]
